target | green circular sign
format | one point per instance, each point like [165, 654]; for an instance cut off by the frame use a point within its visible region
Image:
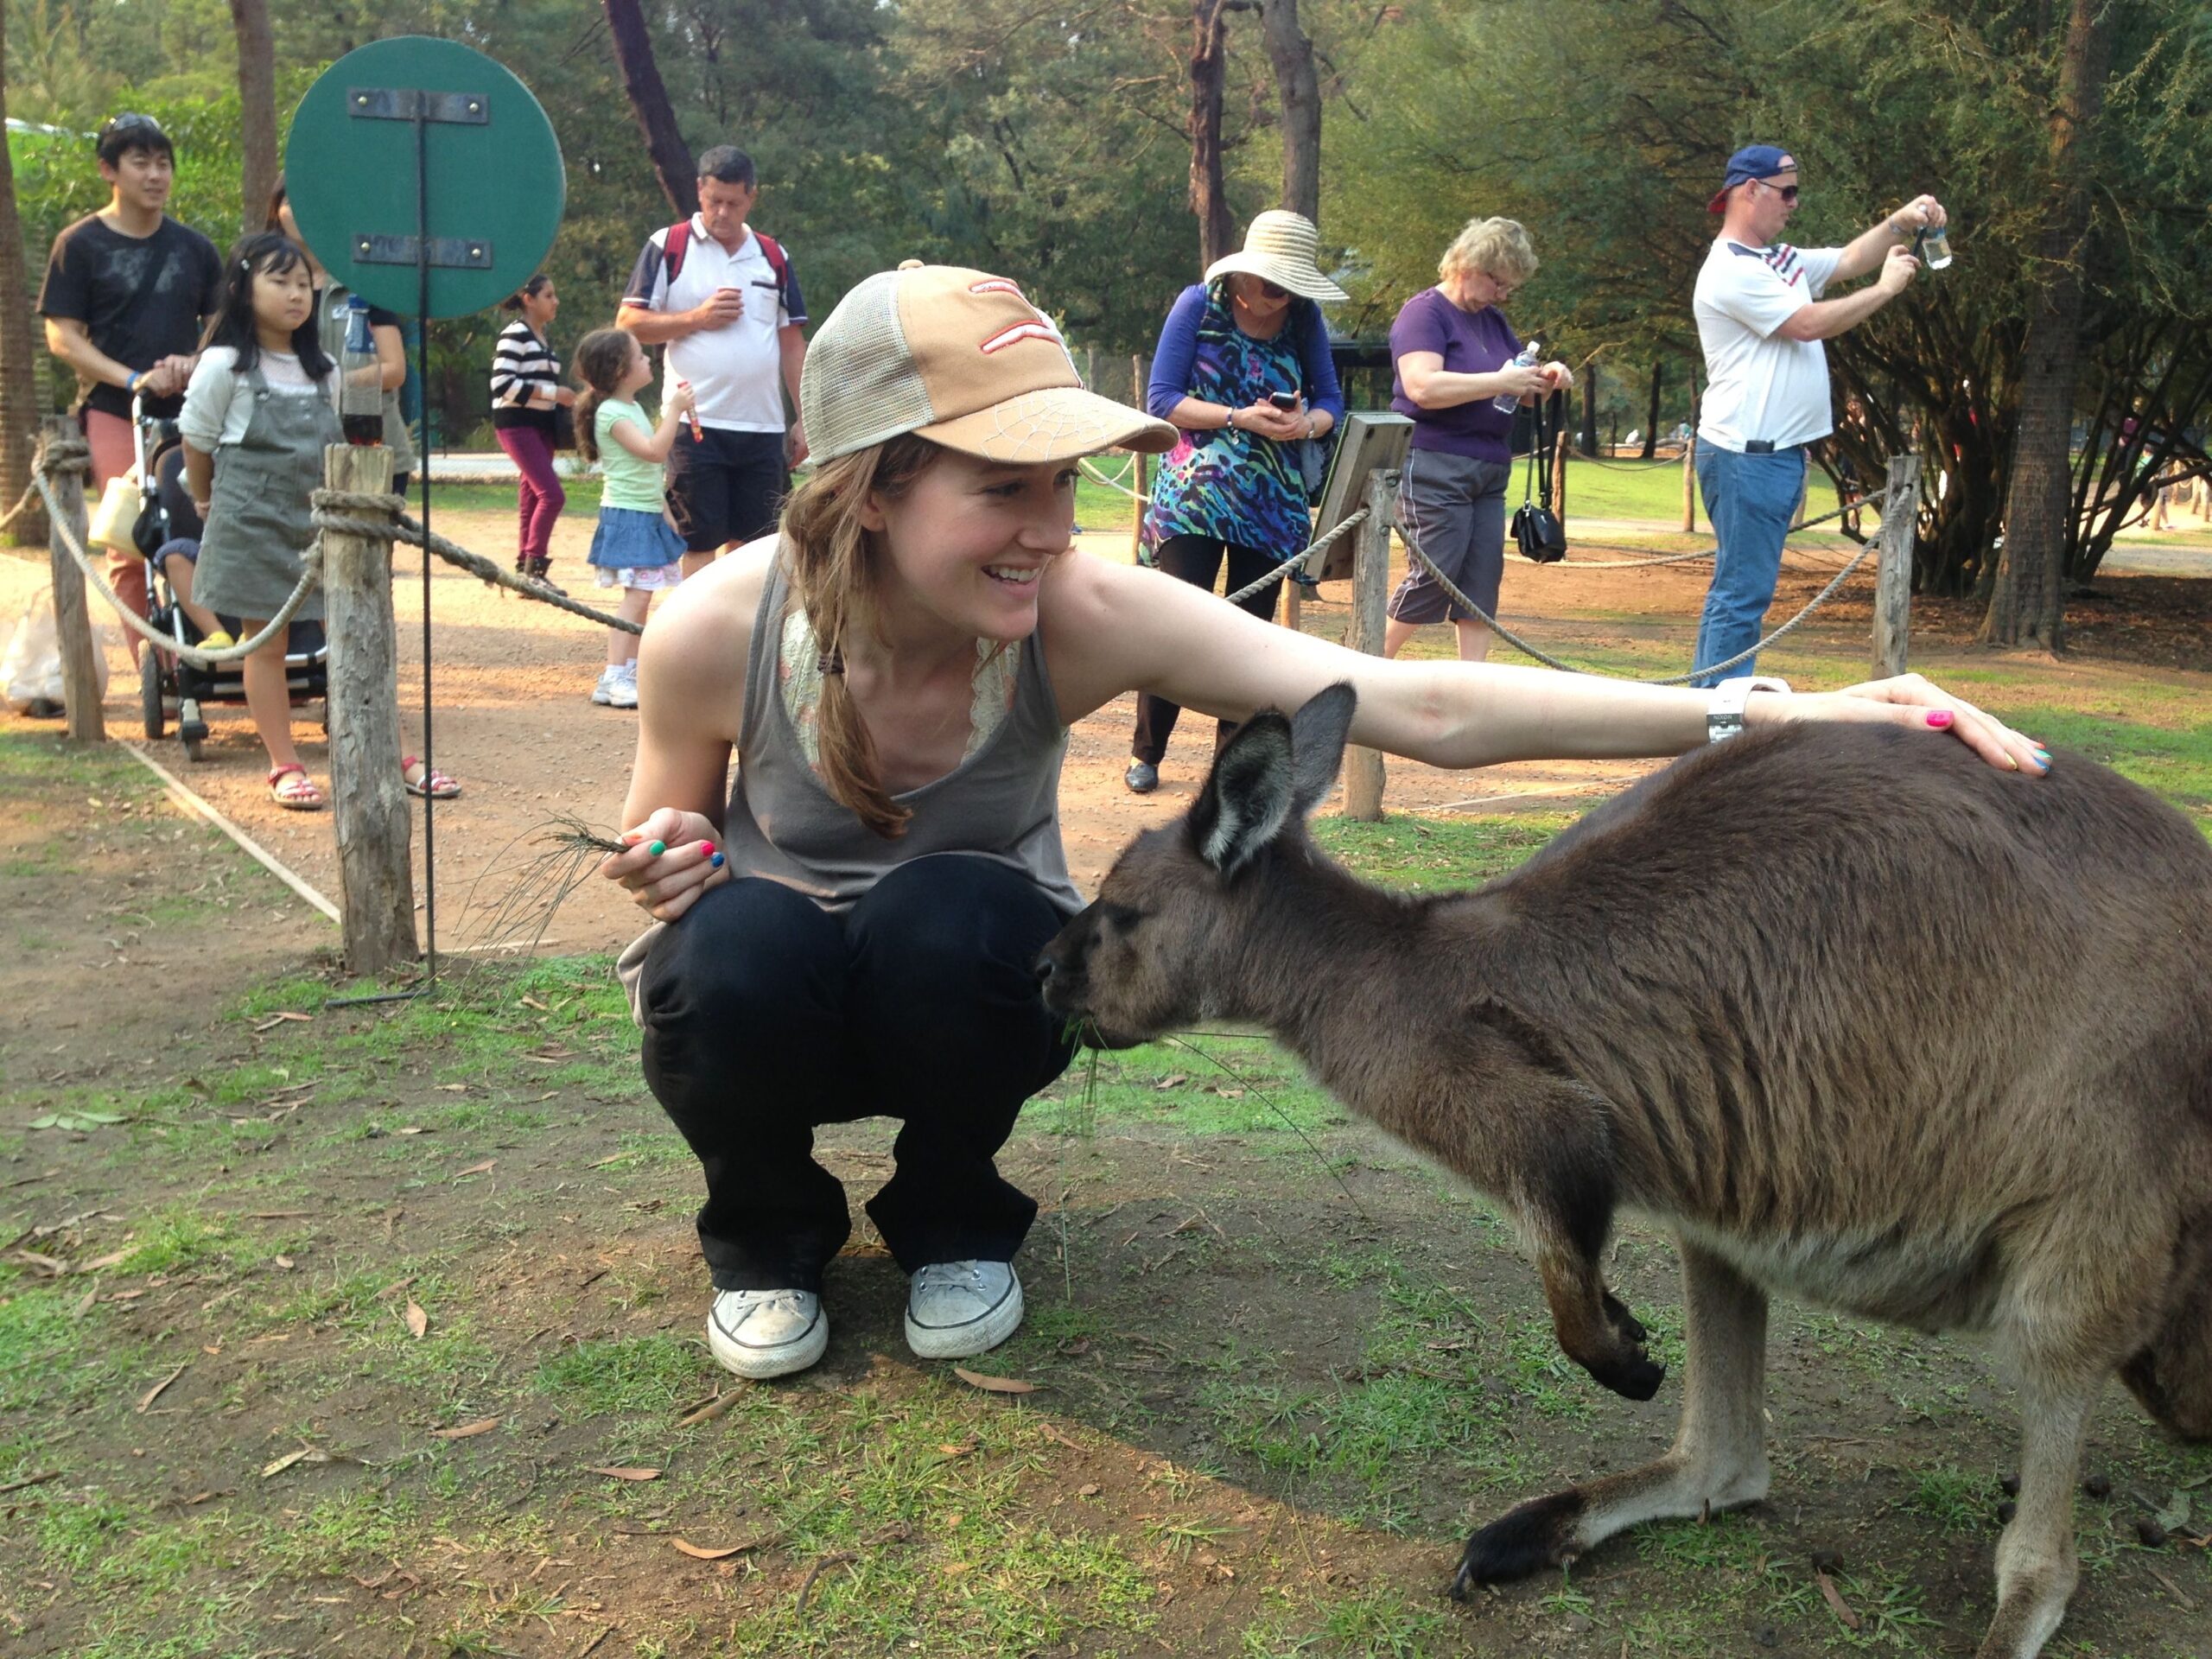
[495, 183]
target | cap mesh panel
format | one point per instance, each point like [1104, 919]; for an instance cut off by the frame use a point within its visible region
[859, 386]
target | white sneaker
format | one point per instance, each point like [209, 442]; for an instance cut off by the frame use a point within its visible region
[622, 693]
[603, 693]
[955, 1309]
[761, 1334]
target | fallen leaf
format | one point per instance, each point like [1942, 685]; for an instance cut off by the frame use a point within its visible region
[417, 1320]
[465, 1431]
[454, 1088]
[53, 1266]
[699, 1554]
[278, 1215]
[305, 1455]
[532, 1002]
[612, 1158]
[1089, 1488]
[475, 1169]
[100, 1261]
[1172, 1080]
[957, 1449]
[155, 1393]
[412, 1129]
[1834, 1599]
[1054, 1431]
[620, 1473]
[992, 1384]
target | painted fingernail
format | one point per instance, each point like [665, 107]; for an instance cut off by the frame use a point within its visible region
[706, 849]
[1938, 718]
[657, 847]
[717, 861]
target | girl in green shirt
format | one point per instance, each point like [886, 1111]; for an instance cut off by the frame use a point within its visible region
[635, 547]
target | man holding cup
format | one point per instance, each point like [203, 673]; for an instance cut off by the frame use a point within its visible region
[724, 301]
[1761, 320]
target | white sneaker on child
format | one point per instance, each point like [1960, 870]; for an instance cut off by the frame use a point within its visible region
[603, 693]
[623, 693]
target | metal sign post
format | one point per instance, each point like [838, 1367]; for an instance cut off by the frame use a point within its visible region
[375, 133]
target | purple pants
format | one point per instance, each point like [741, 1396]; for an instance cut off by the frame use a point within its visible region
[531, 448]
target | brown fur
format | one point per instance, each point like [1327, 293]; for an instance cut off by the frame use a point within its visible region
[1864, 1019]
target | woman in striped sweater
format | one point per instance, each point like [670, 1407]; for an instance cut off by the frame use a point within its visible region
[526, 389]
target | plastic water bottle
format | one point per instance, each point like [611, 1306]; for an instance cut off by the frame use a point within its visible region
[360, 379]
[1936, 247]
[1508, 403]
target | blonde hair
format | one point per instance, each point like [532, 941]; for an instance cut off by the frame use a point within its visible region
[1498, 247]
[830, 558]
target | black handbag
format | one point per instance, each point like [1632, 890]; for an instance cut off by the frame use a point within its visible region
[1536, 529]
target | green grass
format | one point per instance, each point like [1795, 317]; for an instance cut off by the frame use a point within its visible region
[1627, 489]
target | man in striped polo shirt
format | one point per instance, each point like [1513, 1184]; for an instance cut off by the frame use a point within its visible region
[725, 302]
[1761, 320]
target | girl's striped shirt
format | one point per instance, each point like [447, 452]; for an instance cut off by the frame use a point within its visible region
[526, 378]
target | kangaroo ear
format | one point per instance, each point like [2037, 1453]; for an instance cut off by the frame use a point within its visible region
[1249, 797]
[1317, 743]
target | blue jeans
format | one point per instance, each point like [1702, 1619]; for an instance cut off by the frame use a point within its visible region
[1751, 500]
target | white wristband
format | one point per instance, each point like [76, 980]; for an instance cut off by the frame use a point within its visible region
[1724, 716]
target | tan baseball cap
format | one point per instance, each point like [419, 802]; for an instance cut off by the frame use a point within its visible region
[958, 357]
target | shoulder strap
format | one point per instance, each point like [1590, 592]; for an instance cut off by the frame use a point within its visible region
[674, 246]
[1536, 481]
[773, 250]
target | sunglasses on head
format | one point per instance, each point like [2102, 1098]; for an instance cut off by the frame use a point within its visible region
[128, 122]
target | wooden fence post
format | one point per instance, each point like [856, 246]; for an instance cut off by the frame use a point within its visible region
[1370, 592]
[1690, 484]
[375, 886]
[1141, 473]
[1893, 574]
[1561, 449]
[73, 622]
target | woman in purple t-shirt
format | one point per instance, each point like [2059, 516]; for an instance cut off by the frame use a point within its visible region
[1453, 351]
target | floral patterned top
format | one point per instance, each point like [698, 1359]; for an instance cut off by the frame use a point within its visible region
[1236, 487]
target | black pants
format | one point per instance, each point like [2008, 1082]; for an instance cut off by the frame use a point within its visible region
[765, 1015]
[1197, 560]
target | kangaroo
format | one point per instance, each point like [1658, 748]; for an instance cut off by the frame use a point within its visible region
[1859, 1017]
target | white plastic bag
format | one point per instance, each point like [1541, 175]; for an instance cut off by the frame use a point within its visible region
[30, 669]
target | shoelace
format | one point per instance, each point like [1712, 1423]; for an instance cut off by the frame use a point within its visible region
[781, 1301]
[942, 1275]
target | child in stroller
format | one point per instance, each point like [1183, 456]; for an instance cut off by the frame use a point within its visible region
[167, 536]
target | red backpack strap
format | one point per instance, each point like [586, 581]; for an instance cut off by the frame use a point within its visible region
[774, 252]
[674, 246]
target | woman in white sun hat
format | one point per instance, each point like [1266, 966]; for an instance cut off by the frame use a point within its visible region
[851, 927]
[1242, 370]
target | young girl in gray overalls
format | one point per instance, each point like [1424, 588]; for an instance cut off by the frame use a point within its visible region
[259, 410]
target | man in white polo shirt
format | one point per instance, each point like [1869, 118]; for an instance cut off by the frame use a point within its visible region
[725, 302]
[1761, 319]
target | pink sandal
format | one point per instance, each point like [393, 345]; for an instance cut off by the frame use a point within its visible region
[433, 783]
[291, 788]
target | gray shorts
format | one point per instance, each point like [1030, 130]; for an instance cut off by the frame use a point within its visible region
[1451, 508]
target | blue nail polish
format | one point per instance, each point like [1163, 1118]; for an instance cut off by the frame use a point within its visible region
[717, 861]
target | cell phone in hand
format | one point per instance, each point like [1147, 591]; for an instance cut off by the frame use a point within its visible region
[1285, 401]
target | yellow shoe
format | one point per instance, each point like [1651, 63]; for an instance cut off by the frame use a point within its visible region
[217, 640]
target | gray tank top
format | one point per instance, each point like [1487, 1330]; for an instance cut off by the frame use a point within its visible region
[1001, 802]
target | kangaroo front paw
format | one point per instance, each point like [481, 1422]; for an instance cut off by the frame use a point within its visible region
[1537, 1535]
[1623, 1321]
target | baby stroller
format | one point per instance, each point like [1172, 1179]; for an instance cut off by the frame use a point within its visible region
[168, 685]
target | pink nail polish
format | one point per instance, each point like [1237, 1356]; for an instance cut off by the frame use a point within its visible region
[1938, 718]
[706, 849]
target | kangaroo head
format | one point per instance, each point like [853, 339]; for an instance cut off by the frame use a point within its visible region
[1158, 948]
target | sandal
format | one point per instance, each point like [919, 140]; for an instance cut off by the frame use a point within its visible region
[291, 788]
[433, 783]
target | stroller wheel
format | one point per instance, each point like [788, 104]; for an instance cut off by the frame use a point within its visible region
[150, 694]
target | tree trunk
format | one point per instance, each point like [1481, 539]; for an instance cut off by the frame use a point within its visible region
[1589, 438]
[19, 367]
[671, 155]
[1209, 194]
[1299, 90]
[2028, 605]
[256, 110]
[1651, 415]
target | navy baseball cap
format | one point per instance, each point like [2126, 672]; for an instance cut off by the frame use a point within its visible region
[1751, 161]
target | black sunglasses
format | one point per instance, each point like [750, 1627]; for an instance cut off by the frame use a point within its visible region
[1273, 290]
[1786, 191]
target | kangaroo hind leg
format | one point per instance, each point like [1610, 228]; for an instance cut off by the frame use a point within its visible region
[1718, 1460]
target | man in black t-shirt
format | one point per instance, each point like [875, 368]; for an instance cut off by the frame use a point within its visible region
[127, 291]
